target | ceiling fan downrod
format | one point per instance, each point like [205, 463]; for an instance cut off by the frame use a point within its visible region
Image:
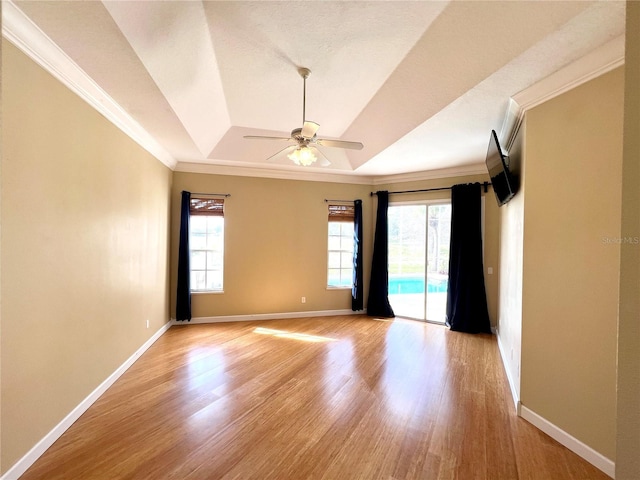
[304, 73]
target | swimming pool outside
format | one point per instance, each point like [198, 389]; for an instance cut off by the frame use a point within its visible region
[407, 296]
[399, 284]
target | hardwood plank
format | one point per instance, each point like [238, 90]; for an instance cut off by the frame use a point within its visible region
[347, 397]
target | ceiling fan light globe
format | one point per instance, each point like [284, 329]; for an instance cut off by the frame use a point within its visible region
[302, 156]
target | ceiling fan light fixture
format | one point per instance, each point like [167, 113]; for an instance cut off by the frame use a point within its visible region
[303, 155]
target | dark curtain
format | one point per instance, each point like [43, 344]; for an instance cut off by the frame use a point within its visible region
[183, 301]
[466, 296]
[357, 302]
[378, 302]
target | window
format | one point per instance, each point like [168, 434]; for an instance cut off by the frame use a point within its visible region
[340, 251]
[206, 244]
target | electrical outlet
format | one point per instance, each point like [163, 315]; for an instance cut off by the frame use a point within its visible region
[147, 323]
[303, 299]
[490, 270]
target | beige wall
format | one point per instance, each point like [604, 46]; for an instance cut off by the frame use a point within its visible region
[84, 251]
[275, 244]
[628, 432]
[491, 223]
[509, 329]
[573, 156]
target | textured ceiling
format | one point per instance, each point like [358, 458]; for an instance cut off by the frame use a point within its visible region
[420, 83]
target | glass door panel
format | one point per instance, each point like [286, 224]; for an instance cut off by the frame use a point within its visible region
[419, 260]
[407, 255]
[439, 232]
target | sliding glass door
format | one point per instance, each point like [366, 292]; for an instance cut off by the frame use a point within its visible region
[419, 260]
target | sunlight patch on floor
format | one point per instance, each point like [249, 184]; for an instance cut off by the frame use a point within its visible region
[295, 336]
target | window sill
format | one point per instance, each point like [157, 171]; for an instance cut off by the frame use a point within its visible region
[205, 292]
[329, 287]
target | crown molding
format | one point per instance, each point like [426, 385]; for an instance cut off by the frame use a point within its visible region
[33, 42]
[299, 174]
[598, 62]
[474, 169]
[316, 176]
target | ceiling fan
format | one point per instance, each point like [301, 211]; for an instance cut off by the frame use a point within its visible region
[305, 151]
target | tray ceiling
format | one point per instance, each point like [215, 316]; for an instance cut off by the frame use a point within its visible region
[420, 83]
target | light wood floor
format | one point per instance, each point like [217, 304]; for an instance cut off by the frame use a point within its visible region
[333, 398]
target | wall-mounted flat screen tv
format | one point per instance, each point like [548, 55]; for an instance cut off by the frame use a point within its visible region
[498, 167]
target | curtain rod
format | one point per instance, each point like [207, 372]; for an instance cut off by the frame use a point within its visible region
[341, 201]
[484, 184]
[212, 194]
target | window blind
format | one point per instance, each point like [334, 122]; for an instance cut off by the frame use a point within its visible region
[341, 213]
[207, 206]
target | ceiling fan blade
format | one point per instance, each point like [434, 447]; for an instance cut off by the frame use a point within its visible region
[339, 144]
[278, 154]
[309, 129]
[323, 161]
[261, 137]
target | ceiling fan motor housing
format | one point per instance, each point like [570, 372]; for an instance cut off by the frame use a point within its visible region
[296, 134]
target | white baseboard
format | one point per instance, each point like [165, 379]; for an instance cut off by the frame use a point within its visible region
[267, 316]
[32, 455]
[576, 446]
[512, 385]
